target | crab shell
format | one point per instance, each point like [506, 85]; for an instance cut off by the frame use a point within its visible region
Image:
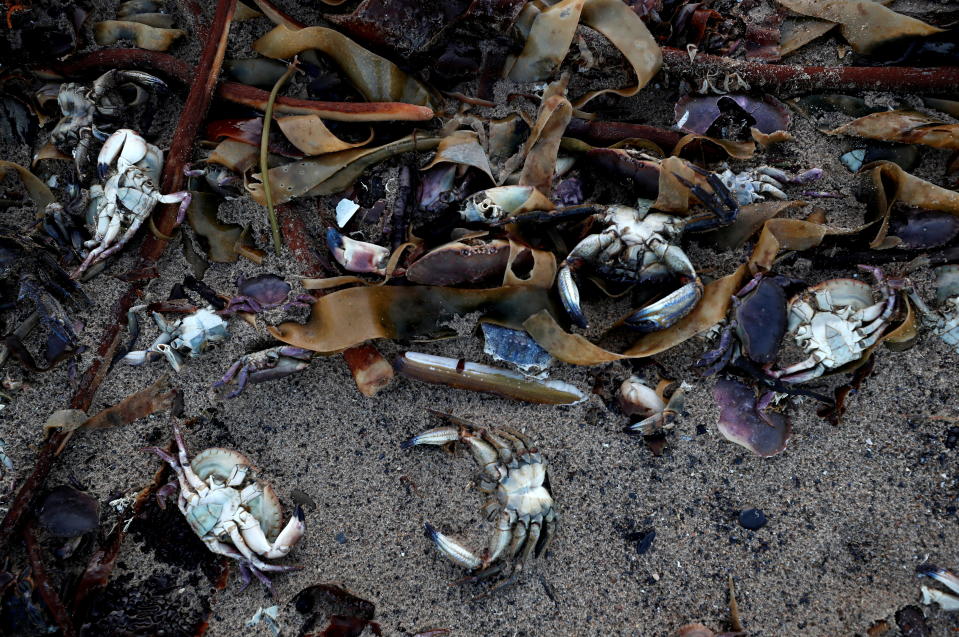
[458, 263]
[827, 300]
[219, 463]
[947, 282]
[495, 203]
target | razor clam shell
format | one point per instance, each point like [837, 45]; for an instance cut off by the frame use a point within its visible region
[477, 377]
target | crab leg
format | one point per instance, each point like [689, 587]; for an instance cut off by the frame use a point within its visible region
[256, 540]
[500, 538]
[438, 436]
[191, 477]
[668, 310]
[453, 550]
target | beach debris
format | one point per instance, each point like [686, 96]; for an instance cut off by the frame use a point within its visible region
[514, 474]
[345, 210]
[749, 422]
[735, 624]
[945, 320]
[267, 616]
[515, 347]
[752, 519]
[265, 365]
[837, 322]
[756, 326]
[640, 246]
[652, 409]
[191, 335]
[67, 512]
[911, 622]
[131, 168]
[158, 396]
[924, 229]
[25, 613]
[463, 374]
[6, 464]
[947, 578]
[264, 292]
[765, 182]
[731, 116]
[371, 371]
[233, 513]
[345, 614]
[29, 271]
[89, 113]
[357, 256]
[903, 127]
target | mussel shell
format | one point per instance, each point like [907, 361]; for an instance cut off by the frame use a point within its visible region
[923, 229]
[761, 319]
[67, 512]
[515, 347]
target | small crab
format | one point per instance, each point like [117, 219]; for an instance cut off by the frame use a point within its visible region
[945, 321]
[264, 292]
[86, 110]
[191, 335]
[233, 514]
[756, 326]
[265, 365]
[638, 245]
[763, 183]
[514, 474]
[128, 195]
[836, 322]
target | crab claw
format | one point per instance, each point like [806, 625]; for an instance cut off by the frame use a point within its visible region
[124, 146]
[456, 552]
[357, 256]
[569, 295]
[667, 311]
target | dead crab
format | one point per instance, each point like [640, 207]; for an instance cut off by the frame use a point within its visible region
[233, 514]
[765, 182]
[638, 245]
[85, 110]
[191, 336]
[514, 474]
[836, 322]
[128, 195]
[265, 365]
[945, 321]
[264, 292]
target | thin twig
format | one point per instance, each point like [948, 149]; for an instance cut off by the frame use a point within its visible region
[265, 152]
[787, 78]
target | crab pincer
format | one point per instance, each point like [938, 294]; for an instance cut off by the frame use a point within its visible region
[231, 512]
[514, 476]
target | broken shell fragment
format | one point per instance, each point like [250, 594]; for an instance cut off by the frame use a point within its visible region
[357, 256]
[463, 374]
[636, 398]
[515, 347]
[946, 577]
[742, 421]
[67, 512]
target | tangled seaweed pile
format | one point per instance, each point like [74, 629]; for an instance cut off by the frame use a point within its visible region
[412, 173]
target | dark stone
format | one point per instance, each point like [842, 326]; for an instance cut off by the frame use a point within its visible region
[752, 519]
[341, 538]
[912, 622]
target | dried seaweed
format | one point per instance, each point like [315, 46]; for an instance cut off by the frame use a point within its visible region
[864, 23]
[36, 189]
[144, 36]
[904, 127]
[462, 147]
[311, 136]
[892, 184]
[333, 172]
[376, 78]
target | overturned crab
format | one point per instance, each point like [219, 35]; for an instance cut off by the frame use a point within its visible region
[944, 321]
[514, 474]
[120, 206]
[763, 183]
[92, 112]
[191, 336]
[836, 322]
[265, 365]
[638, 245]
[233, 514]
